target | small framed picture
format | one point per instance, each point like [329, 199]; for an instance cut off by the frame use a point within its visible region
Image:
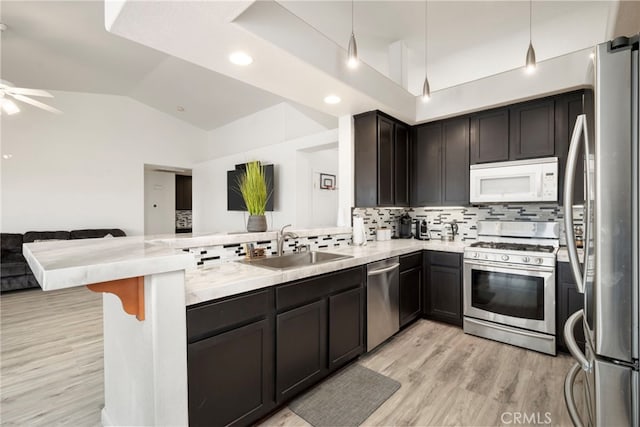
[327, 181]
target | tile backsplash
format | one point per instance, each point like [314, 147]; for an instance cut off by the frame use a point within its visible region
[466, 218]
[183, 219]
[210, 255]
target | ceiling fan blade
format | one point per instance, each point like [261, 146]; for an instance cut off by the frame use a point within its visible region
[26, 91]
[36, 103]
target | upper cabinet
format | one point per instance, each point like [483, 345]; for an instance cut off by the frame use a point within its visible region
[521, 131]
[532, 130]
[381, 160]
[426, 162]
[440, 164]
[490, 136]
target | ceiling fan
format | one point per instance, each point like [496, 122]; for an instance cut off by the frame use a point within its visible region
[8, 106]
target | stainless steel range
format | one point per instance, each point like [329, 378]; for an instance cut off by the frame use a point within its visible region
[510, 283]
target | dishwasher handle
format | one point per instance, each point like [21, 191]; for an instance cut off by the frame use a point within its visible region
[383, 270]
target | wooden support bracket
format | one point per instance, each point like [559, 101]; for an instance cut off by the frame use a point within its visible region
[130, 291]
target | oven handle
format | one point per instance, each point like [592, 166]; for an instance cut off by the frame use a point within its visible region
[520, 331]
[571, 343]
[569, 182]
[569, 399]
[509, 266]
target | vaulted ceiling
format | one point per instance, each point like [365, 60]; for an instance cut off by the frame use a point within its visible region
[170, 54]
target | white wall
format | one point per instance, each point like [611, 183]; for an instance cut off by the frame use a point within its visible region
[552, 76]
[273, 125]
[210, 184]
[324, 203]
[159, 202]
[85, 168]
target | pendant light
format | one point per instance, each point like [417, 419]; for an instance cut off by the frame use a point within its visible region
[426, 90]
[352, 53]
[530, 66]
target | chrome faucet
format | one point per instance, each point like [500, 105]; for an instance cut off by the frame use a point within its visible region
[282, 235]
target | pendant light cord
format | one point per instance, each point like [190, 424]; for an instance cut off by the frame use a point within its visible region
[530, 13]
[352, 16]
[425, 36]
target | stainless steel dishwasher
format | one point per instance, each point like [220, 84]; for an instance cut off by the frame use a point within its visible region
[383, 318]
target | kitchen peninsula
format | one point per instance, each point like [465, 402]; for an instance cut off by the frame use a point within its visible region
[145, 347]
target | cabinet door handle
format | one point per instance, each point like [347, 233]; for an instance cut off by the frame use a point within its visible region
[382, 270]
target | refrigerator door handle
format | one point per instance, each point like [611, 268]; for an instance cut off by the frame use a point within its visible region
[569, 182]
[571, 343]
[569, 399]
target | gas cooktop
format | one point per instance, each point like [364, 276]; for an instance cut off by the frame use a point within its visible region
[514, 246]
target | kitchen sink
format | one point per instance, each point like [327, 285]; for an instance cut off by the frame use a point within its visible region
[295, 260]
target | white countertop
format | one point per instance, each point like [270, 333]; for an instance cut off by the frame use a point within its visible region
[563, 254]
[232, 278]
[197, 240]
[68, 263]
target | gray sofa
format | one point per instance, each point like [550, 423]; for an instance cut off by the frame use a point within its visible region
[15, 272]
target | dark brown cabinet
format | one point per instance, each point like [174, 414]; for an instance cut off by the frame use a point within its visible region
[489, 136]
[401, 156]
[230, 360]
[532, 129]
[443, 287]
[455, 162]
[301, 342]
[569, 301]
[426, 176]
[410, 288]
[440, 164]
[346, 326]
[319, 327]
[381, 160]
[568, 108]
[183, 193]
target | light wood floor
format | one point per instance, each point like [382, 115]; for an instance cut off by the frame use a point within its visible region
[452, 379]
[51, 370]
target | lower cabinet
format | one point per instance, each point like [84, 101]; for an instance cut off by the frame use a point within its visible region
[410, 288]
[443, 287]
[301, 340]
[569, 300]
[319, 327]
[346, 326]
[230, 374]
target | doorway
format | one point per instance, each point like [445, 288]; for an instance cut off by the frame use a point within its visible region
[167, 200]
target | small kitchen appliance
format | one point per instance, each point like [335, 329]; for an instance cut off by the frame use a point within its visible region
[405, 221]
[422, 232]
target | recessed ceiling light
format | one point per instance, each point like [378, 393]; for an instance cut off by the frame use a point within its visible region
[240, 58]
[7, 156]
[332, 99]
[180, 108]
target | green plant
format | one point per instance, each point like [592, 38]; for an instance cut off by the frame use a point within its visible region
[253, 187]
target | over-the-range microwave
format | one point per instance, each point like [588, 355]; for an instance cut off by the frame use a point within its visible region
[534, 180]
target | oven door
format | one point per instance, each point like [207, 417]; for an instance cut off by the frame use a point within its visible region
[509, 294]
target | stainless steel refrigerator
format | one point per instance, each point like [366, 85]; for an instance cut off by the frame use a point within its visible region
[607, 274]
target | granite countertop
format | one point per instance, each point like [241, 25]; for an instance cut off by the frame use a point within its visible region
[232, 278]
[70, 263]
